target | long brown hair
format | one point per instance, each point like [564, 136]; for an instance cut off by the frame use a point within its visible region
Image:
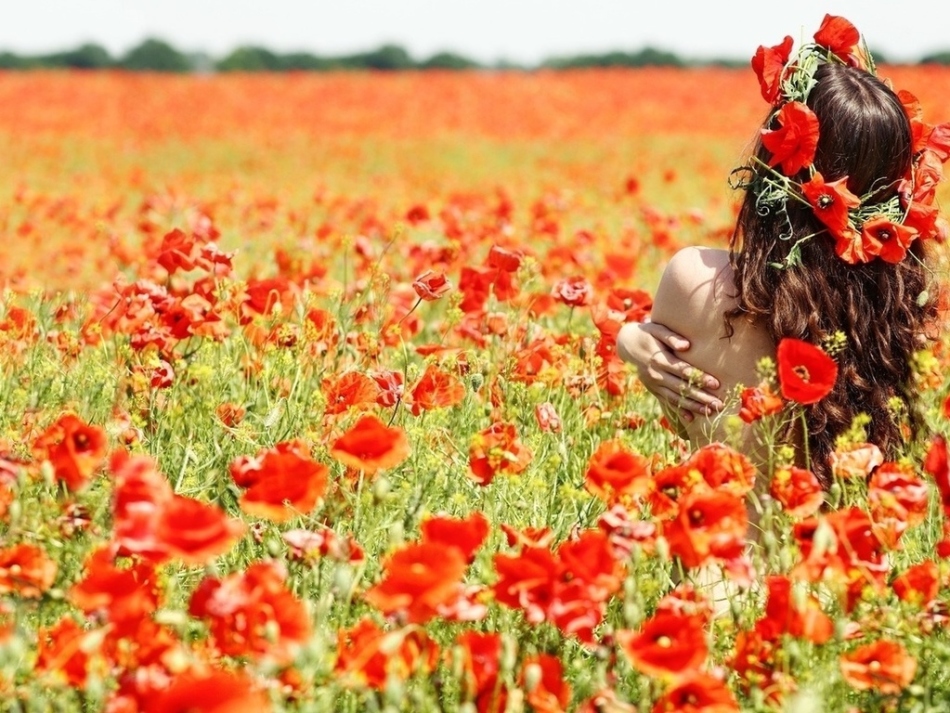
[883, 309]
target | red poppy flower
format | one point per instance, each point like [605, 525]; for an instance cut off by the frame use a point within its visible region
[937, 465]
[351, 390]
[63, 648]
[758, 663]
[883, 666]
[794, 143]
[570, 589]
[504, 259]
[830, 202]
[307, 544]
[920, 584]
[615, 471]
[177, 251]
[547, 417]
[125, 596]
[924, 219]
[464, 535]
[527, 581]
[710, 525]
[74, 449]
[856, 460]
[390, 387]
[209, 692]
[370, 445]
[635, 305]
[230, 414]
[26, 570]
[670, 486]
[798, 490]
[839, 36]
[895, 491]
[430, 285]
[887, 239]
[626, 533]
[758, 401]
[481, 654]
[590, 562]
[697, 693]
[799, 616]
[806, 373]
[419, 578]
[528, 536]
[549, 692]
[282, 485]
[855, 556]
[436, 388]
[927, 175]
[723, 468]
[195, 532]
[417, 214]
[495, 450]
[252, 613]
[369, 656]
[768, 65]
[573, 291]
[266, 296]
[850, 247]
[667, 645]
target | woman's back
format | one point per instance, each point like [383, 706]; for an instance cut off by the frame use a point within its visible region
[697, 288]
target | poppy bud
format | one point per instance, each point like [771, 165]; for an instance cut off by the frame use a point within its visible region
[532, 676]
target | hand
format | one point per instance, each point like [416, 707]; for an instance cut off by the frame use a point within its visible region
[653, 350]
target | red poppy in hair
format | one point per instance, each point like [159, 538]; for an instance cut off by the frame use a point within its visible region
[887, 239]
[768, 65]
[830, 202]
[806, 373]
[839, 36]
[794, 143]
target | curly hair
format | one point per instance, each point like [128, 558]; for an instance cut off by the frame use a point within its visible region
[883, 309]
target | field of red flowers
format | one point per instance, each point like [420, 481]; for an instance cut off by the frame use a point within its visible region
[309, 400]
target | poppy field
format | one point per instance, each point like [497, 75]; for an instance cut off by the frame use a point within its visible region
[309, 400]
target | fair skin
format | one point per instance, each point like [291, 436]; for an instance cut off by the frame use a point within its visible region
[683, 355]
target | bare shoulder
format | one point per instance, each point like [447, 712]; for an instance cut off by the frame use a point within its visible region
[697, 278]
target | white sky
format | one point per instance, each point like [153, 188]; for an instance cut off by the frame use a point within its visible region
[487, 30]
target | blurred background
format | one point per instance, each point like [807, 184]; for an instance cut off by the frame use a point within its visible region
[207, 35]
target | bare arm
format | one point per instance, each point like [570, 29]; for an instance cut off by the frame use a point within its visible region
[655, 352]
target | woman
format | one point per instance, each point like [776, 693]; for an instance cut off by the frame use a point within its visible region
[830, 238]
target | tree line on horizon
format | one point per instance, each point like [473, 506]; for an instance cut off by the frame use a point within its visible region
[155, 55]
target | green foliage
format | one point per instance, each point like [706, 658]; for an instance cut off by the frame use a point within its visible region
[646, 57]
[250, 59]
[449, 60]
[387, 58]
[936, 58]
[88, 56]
[155, 56]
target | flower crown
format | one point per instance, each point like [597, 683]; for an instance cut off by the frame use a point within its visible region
[863, 230]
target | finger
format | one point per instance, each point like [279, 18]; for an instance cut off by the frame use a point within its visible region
[708, 402]
[683, 403]
[685, 371]
[676, 342]
[686, 416]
